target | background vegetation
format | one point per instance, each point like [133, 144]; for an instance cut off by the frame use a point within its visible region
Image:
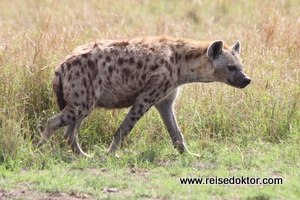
[251, 132]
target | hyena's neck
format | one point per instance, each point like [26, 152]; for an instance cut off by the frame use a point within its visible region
[196, 66]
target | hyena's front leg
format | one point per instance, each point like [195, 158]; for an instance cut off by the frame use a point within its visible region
[135, 113]
[165, 108]
[143, 103]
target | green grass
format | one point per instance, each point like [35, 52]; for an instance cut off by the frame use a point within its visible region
[155, 172]
[252, 132]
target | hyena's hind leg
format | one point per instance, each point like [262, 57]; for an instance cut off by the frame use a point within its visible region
[71, 135]
[66, 117]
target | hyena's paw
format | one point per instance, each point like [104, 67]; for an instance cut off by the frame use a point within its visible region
[42, 143]
[194, 154]
[108, 154]
[183, 150]
[44, 138]
[77, 150]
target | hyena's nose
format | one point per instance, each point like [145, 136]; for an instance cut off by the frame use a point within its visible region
[247, 80]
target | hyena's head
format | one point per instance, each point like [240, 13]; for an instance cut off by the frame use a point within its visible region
[227, 64]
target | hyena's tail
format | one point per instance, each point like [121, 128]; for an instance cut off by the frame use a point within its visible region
[58, 88]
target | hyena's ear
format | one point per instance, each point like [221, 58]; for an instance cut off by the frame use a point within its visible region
[215, 49]
[237, 47]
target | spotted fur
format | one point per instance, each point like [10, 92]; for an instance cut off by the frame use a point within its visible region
[141, 73]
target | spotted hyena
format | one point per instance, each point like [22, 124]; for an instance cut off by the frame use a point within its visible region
[141, 73]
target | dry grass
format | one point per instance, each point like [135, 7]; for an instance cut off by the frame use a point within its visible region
[36, 35]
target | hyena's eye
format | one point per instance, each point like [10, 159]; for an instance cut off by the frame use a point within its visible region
[231, 67]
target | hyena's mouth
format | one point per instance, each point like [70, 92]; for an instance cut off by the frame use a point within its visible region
[242, 84]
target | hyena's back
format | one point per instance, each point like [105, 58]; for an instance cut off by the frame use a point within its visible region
[110, 74]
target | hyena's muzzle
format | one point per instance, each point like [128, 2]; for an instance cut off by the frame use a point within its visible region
[239, 80]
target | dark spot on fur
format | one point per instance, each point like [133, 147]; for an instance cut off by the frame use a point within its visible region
[166, 88]
[168, 67]
[177, 57]
[146, 100]
[68, 66]
[100, 81]
[91, 64]
[82, 92]
[120, 61]
[144, 77]
[108, 59]
[140, 64]
[132, 118]
[110, 69]
[76, 94]
[85, 55]
[152, 92]
[76, 62]
[125, 72]
[172, 59]
[160, 85]
[84, 82]
[189, 56]
[154, 67]
[70, 77]
[178, 72]
[73, 118]
[131, 60]
[62, 68]
[152, 101]
[69, 116]
[77, 73]
[72, 85]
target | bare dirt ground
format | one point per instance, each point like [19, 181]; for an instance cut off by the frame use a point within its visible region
[28, 194]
